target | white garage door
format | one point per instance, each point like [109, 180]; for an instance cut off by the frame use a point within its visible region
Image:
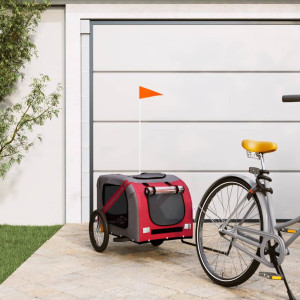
[221, 83]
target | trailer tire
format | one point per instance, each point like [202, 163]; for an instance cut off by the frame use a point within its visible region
[156, 243]
[100, 241]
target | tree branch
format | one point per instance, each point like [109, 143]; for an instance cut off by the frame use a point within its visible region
[10, 154]
[16, 130]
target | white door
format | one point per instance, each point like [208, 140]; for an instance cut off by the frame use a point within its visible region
[221, 83]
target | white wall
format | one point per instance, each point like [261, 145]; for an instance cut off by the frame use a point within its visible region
[33, 192]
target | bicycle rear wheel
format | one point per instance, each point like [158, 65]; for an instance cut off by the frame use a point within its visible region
[224, 263]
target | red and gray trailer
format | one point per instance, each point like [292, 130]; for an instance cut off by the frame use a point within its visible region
[150, 207]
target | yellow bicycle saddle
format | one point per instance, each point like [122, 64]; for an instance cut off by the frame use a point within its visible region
[259, 147]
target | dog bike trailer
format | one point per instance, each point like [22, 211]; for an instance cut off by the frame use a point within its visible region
[150, 207]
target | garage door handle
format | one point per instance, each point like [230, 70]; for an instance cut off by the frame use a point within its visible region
[291, 98]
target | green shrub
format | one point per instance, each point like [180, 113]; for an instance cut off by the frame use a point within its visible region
[18, 22]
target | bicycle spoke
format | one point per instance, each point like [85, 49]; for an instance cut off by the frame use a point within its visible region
[216, 215]
[249, 211]
[99, 236]
[212, 221]
[247, 246]
[240, 256]
[234, 266]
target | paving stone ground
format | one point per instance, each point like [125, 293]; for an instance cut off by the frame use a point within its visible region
[67, 267]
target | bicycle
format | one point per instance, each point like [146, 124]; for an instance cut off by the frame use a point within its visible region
[236, 229]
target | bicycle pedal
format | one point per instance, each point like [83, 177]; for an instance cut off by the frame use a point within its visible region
[270, 275]
[288, 230]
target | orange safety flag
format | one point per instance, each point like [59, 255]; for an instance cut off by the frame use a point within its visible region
[146, 93]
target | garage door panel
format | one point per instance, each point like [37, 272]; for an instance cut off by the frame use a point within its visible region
[194, 96]
[115, 146]
[216, 146]
[196, 47]
[192, 146]
[115, 97]
[199, 182]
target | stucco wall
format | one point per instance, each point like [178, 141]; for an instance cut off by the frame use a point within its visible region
[33, 192]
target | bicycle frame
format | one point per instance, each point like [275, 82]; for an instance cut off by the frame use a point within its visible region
[270, 231]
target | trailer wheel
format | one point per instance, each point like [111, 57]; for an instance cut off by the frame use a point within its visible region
[98, 230]
[156, 242]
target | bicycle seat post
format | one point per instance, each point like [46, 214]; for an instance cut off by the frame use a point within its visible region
[262, 160]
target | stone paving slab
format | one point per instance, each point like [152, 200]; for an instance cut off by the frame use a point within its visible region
[67, 267]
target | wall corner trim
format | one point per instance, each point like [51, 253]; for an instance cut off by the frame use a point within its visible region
[84, 26]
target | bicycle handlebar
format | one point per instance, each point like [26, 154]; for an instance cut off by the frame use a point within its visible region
[291, 98]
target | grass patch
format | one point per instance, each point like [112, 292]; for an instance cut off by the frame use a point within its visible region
[17, 243]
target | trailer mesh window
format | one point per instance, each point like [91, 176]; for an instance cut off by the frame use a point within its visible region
[166, 209]
[118, 213]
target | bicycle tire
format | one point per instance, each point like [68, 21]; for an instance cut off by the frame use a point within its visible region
[201, 248]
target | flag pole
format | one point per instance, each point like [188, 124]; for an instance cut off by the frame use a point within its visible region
[139, 136]
[143, 93]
